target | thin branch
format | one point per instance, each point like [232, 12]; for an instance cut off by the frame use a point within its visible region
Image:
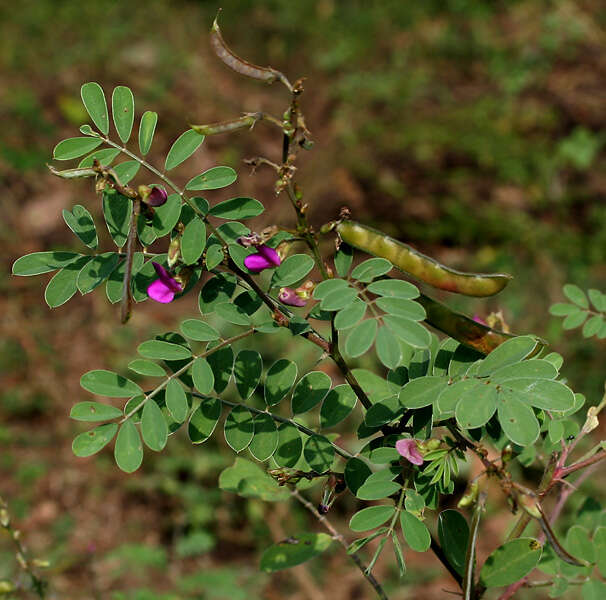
[339, 538]
[280, 419]
[183, 370]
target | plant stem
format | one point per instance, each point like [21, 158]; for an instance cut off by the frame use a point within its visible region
[339, 538]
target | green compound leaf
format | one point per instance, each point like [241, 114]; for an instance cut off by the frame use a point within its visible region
[128, 451]
[414, 502]
[290, 446]
[37, 263]
[80, 221]
[415, 531]
[127, 170]
[292, 270]
[117, 211]
[388, 348]
[599, 542]
[338, 405]
[96, 106]
[63, 285]
[311, 390]
[213, 179]
[109, 384]
[75, 147]
[329, 285]
[453, 533]
[198, 330]
[147, 128]
[535, 368]
[193, 241]
[339, 299]
[594, 589]
[350, 315]
[217, 290]
[361, 338]
[371, 269]
[598, 299]
[266, 438]
[221, 362]
[383, 412]
[123, 111]
[204, 420]
[575, 294]
[248, 367]
[377, 490]
[343, 259]
[411, 332]
[422, 391]
[176, 401]
[146, 367]
[510, 562]
[477, 406]
[356, 472]
[279, 380]
[167, 216]
[409, 309]
[542, 393]
[185, 145]
[154, 430]
[96, 271]
[394, 288]
[160, 350]
[517, 419]
[94, 411]
[90, 442]
[232, 314]
[508, 353]
[371, 517]
[105, 157]
[250, 481]
[294, 551]
[239, 428]
[237, 208]
[319, 453]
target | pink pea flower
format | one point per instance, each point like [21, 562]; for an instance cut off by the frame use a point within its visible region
[290, 297]
[265, 258]
[479, 320]
[165, 287]
[410, 451]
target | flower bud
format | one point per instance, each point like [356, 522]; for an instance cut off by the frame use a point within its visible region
[174, 251]
[157, 196]
[291, 297]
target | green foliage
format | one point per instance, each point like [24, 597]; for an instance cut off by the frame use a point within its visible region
[580, 312]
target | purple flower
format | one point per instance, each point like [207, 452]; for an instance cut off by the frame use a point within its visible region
[165, 287]
[157, 196]
[410, 451]
[265, 258]
[290, 297]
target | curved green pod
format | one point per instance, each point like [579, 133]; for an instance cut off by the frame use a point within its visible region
[466, 330]
[422, 267]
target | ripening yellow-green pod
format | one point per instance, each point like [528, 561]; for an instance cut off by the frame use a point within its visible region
[425, 268]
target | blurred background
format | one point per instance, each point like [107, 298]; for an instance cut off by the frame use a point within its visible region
[472, 130]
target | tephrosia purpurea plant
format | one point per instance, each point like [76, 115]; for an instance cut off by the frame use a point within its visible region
[434, 402]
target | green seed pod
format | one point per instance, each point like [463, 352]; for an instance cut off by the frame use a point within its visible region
[465, 330]
[245, 122]
[78, 173]
[239, 65]
[409, 260]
